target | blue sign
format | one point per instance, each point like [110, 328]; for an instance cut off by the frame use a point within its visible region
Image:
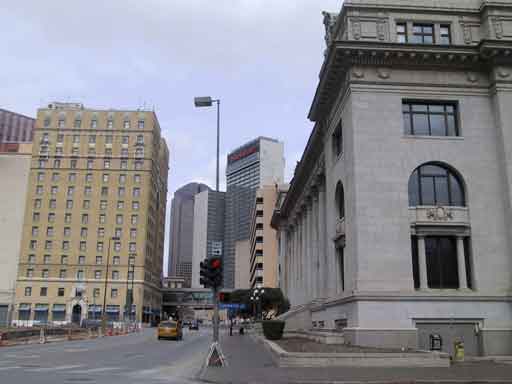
[231, 306]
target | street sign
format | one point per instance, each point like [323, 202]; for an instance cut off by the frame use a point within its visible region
[216, 248]
[231, 306]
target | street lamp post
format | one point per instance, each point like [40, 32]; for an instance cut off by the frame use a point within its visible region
[104, 313]
[256, 298]
[207, 101]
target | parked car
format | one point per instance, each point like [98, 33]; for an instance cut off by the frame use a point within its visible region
[170, 330]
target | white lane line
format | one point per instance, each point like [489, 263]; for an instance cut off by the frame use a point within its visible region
[97, 370]
[7, 368]
[60, 368]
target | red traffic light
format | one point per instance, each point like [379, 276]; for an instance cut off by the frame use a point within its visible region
[215, 263]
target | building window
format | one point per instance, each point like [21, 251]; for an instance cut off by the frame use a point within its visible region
[126, 124]
[43, 291]
[132, 247]
[102, 219]
[48, 244]
[44, 274]
[71, 191]
[97, 275]
[47, 259]
[117, 246]
[31, 259]
[83, 232]
[67, 231]
[60, 292]
[122, 179]
[340, 200]
[90, 164]
[430, 119]
[99, 246]
[99, 260]
[37, 203]
[103, 205]
[106, 164]
[133, 233]
[86, 204]
[136, 179]
[441, 258]
[87, 191]
[445, 35]
[135, 219]
[433, 184]
[136, 192]
[28, 291]
[39, 190]
[92, 139]
[56, 163]
[35, 231]
[61, 123]
[119, 219]
[113, 293]
[96, 292]
[120, 192]
[30, 273]
[73, 164]
[141, 124]
[40, 176]
[124, 152]
[63, 259]
[120, 204]
[47, 122]
[80, 275]
[118, 232]
[135, 205]
[115, 275]
[116, 260]
[401, 33]
[65, 245]
[259, 239]
[110, 124]
[35, 216]
[105, 177]
[67, 218]
[138, 164]
[85, 218]
[53, 204]
[88, 178]
[54, 190]
[101, 232]
[131, 260]
[130, 275]
[94, 124]
[33, 244]
[49, 231]
[125, 139]
[104, 191]
[62, 274]
[337, 140]
[108, 139]
[69, 204]
[124, 164]
[423, 34]
[83, 246]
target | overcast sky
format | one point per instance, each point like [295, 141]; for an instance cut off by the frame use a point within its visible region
[260, 57]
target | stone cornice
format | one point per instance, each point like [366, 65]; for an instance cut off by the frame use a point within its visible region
[346, 54]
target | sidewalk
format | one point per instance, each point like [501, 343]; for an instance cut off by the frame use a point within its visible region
[250, 363]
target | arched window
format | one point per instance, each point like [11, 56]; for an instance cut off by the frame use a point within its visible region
[437, 185]
[340, 200]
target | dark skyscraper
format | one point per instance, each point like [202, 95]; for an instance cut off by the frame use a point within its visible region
[257, 163]
[182, 230]
[15, 128]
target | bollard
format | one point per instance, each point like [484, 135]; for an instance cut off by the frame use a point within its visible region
[42, 336]
[100, 333]
[69, 334]
[89, 333]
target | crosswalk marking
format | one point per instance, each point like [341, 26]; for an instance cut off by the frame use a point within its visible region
[97, 370]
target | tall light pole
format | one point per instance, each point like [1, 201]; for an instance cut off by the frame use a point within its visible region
[207, 101]
[103, 312]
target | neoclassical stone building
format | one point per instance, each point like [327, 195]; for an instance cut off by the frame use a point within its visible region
[397, 227]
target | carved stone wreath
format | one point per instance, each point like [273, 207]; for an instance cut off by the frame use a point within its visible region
[439, 214]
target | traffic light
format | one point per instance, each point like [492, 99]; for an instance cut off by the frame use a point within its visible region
[225, 297]
[211, 272]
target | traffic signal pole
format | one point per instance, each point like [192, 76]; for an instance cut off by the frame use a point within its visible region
[215, 315]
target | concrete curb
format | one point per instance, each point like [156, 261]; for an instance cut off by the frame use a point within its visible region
[286, 359]
[412, 381]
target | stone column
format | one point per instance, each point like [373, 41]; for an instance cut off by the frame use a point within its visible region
[303, 266]
[309, 259]
[461, 263]
[315, 251]
[422, 262]
[322, 242]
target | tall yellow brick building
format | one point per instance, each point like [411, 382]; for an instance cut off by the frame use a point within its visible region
[94, 216]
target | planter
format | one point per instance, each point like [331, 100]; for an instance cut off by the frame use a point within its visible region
[273, 329]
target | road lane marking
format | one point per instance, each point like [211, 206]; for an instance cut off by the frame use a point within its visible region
[97, 370]
[7, 368]
[59, 368]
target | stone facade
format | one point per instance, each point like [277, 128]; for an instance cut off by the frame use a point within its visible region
[360, 251]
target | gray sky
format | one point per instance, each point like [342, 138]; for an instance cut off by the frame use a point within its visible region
[260, 57]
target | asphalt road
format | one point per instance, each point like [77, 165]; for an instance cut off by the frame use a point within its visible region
[120, 359]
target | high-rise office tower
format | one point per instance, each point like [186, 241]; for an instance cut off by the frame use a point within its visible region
[15, 128]
[257, 163]
[94, 216]
[209, 209]
[182, 231]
